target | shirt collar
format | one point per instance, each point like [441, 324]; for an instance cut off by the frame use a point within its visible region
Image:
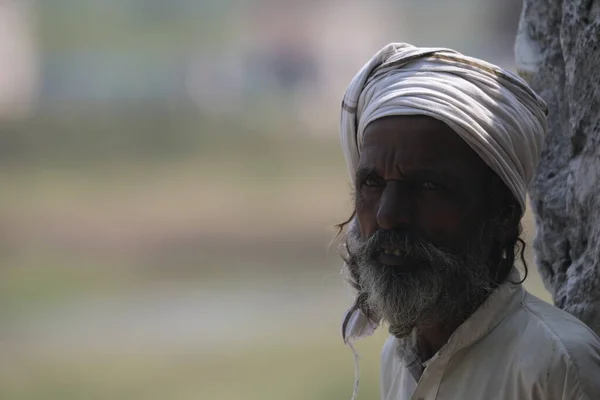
[488, 316]
[494, 309]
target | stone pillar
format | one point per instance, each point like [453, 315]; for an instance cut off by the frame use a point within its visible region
[558, 53]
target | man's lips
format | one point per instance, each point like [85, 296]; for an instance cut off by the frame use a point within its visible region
[391, 256]
[390, 260]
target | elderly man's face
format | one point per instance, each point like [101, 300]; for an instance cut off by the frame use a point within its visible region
[416, 175]
[421, 246]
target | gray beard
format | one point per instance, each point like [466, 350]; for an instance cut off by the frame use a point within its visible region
[440, 289]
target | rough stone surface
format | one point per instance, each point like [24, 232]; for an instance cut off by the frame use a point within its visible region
[558, 52]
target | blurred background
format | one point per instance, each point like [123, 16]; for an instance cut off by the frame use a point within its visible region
[171, 176]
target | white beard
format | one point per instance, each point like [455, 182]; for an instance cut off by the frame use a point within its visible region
[448, 289]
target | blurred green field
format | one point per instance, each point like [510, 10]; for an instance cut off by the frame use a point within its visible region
[85, 243]
[316, 367]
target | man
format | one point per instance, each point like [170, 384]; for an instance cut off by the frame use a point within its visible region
[441, 148]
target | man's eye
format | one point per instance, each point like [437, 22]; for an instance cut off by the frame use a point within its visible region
[372, 182]
[428, 185]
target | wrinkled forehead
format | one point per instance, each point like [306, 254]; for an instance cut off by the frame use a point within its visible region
[415, 138]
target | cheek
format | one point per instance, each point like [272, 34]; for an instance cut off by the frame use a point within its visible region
[442, 220]
[366, 211]
[445, 221]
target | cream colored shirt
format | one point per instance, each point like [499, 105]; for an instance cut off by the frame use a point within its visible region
[514, 347]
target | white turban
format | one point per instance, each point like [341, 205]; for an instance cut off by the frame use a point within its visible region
[493, 110]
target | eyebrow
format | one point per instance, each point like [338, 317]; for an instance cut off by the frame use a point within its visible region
[438, 175]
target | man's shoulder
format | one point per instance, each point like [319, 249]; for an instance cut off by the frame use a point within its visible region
[550, 325]
[553, 340]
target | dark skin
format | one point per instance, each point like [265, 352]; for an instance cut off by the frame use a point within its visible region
[417, 175]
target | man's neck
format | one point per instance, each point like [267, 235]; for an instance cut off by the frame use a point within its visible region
[431, 339]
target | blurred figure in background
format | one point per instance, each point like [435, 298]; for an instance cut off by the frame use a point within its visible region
[441, 149]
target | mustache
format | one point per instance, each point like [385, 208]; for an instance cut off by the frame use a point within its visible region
[405, 241]
[413, 246]
[398, 239]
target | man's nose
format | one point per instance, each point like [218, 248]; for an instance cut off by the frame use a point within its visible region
[394, 206]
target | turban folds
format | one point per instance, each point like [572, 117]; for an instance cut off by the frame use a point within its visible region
[493, 110]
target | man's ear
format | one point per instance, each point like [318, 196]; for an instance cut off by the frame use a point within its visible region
[504, 210]
[511, 212]
[509, 218]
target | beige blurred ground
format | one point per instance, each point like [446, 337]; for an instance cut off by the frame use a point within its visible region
[171, 242]
[189, 282]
